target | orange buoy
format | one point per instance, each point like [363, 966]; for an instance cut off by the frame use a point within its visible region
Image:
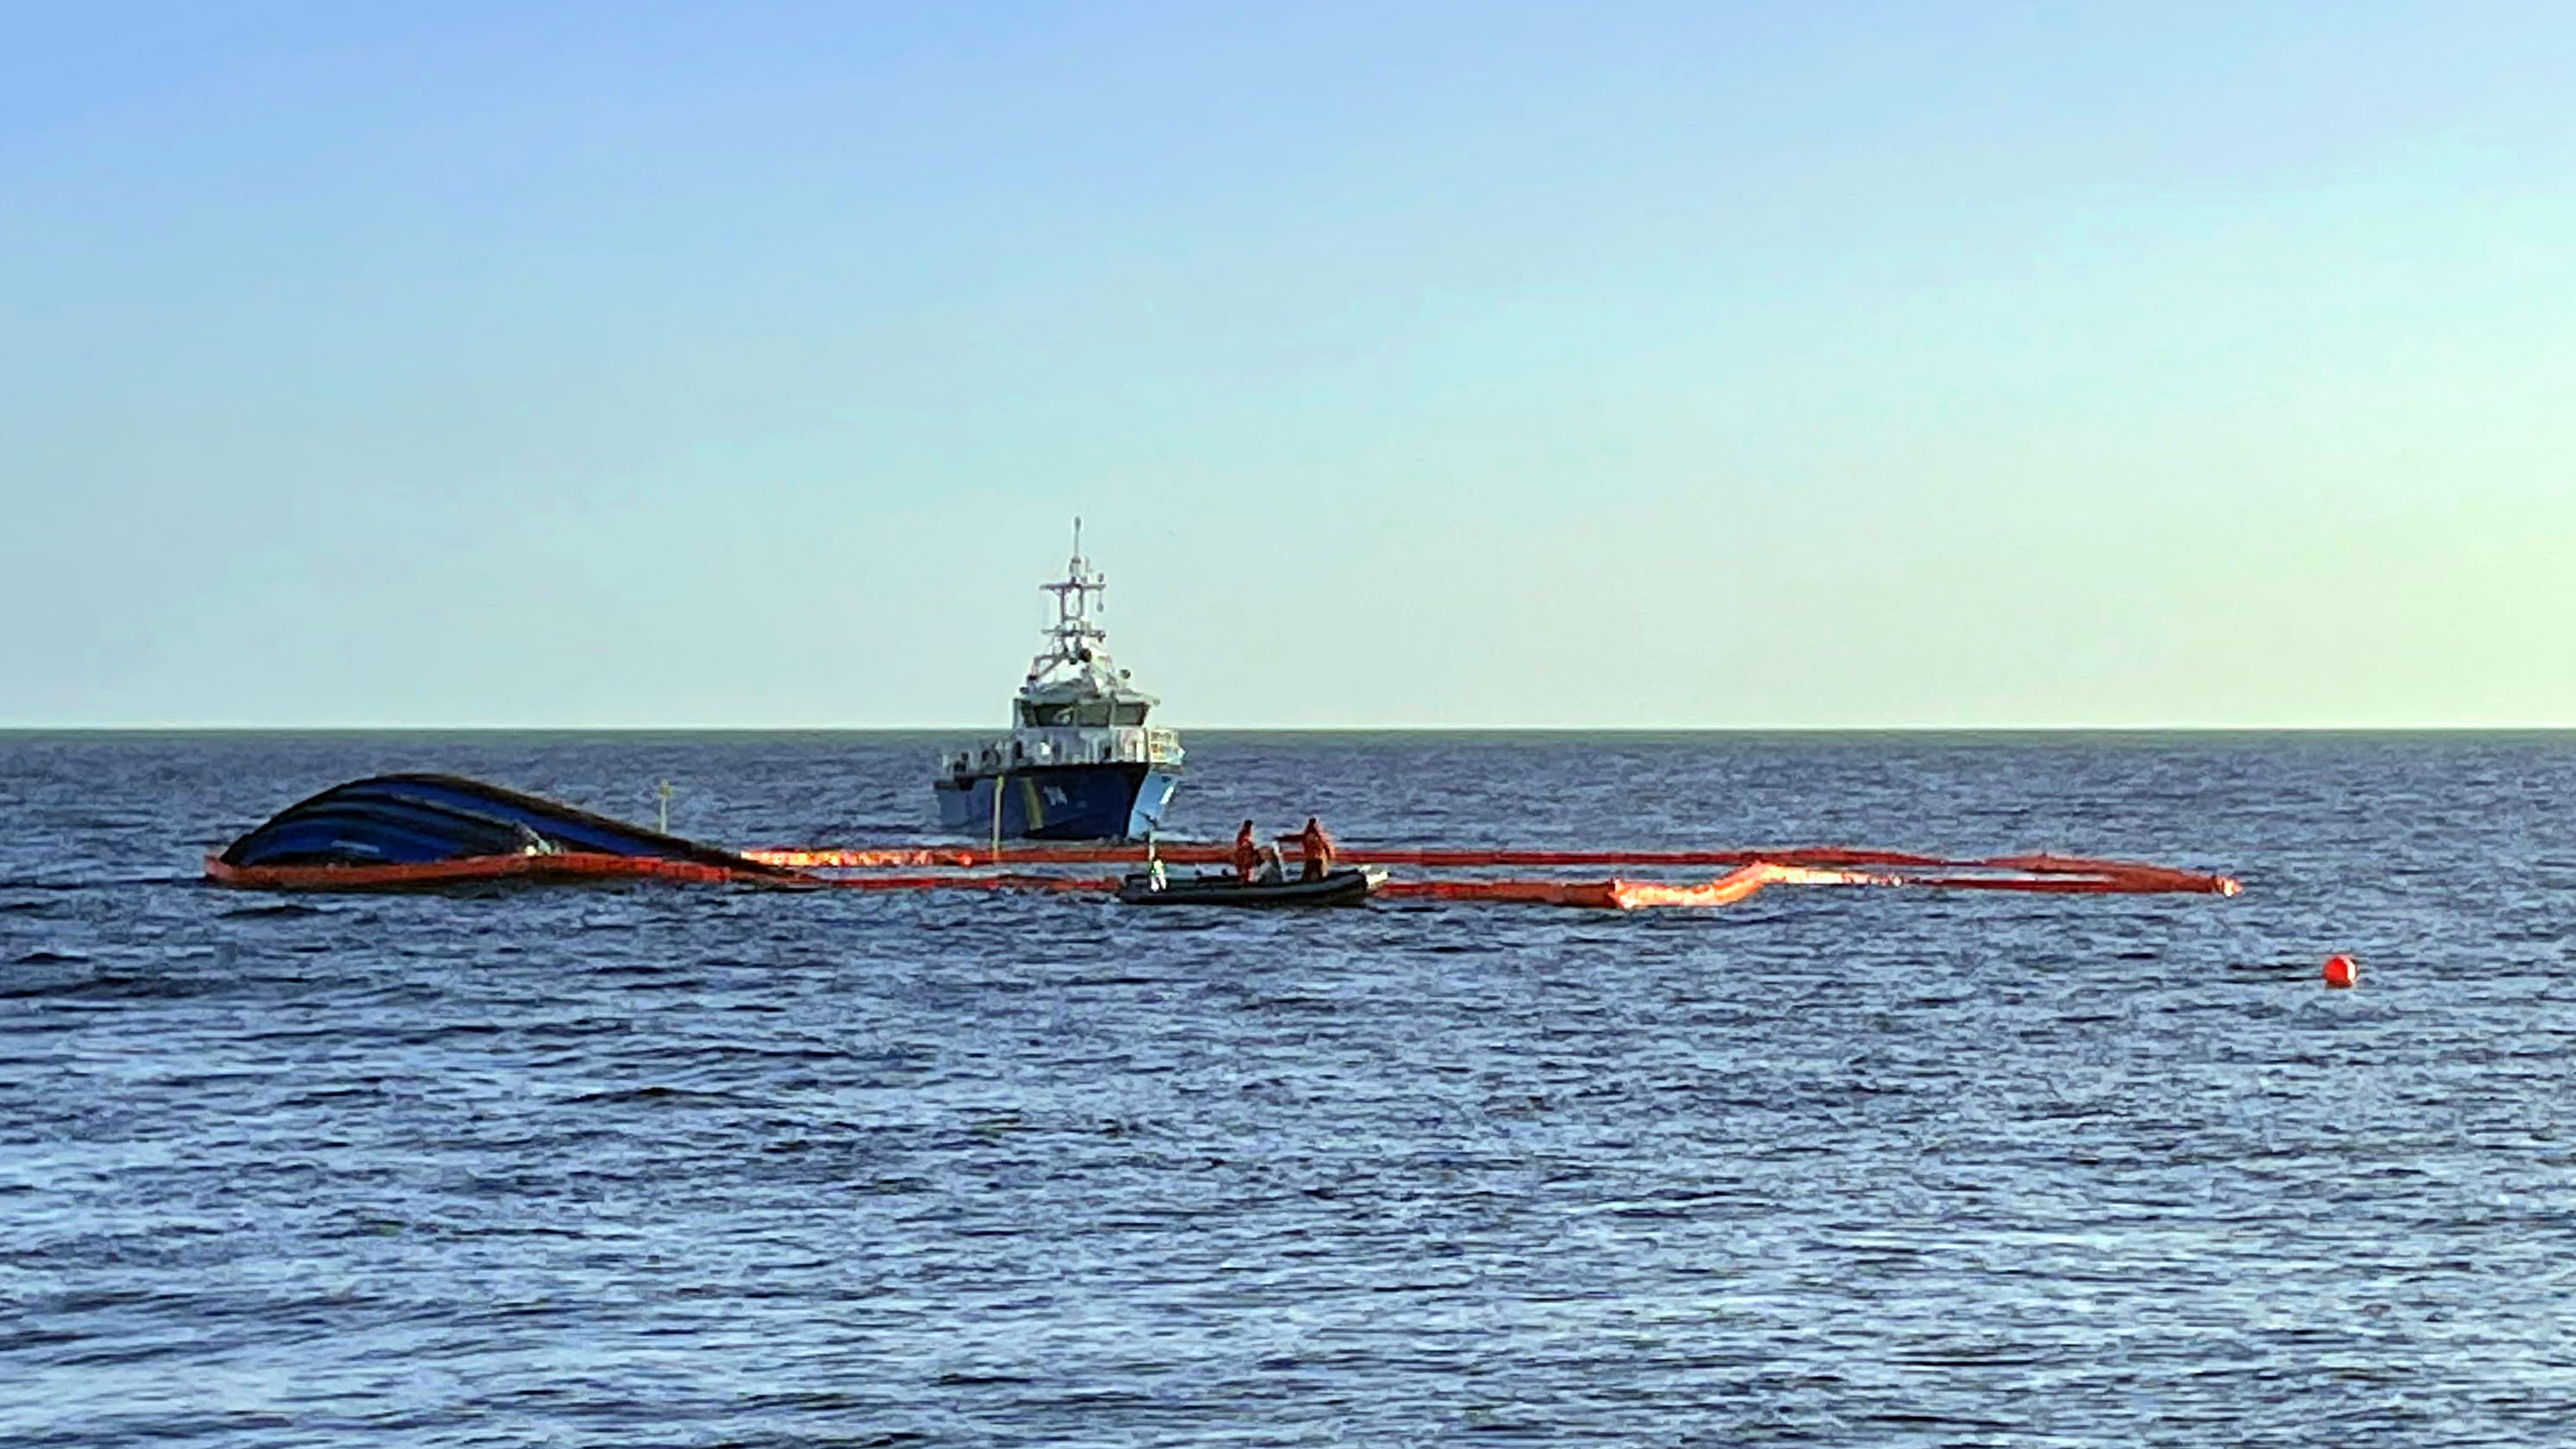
[2340, 971]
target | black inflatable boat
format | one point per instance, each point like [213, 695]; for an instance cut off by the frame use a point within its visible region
[1346, 887]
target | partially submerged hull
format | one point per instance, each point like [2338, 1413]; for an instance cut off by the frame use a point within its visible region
[426, 830]
[1122, 801]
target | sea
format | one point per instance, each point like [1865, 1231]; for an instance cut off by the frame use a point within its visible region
[700, 1166]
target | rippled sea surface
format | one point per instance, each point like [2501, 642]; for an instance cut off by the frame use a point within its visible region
[693, 1166]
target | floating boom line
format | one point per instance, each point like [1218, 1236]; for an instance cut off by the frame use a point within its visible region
[411, 831]
[927, 867]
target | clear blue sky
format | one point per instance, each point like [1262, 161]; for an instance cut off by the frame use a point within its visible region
[1659, 365]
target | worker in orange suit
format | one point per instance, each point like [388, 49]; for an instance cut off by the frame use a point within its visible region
[1247, 854]
[1318, 848]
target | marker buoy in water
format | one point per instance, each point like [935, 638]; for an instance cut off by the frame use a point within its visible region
[2340, 971]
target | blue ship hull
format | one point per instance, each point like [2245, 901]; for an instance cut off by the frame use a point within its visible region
[417, 819]
[1059, 802]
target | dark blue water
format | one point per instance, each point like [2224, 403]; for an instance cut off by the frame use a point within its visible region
[690, 1166]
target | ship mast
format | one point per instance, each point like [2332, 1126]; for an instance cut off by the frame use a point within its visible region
[1074, 638]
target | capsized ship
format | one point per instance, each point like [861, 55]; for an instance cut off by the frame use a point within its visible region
[1080, 762]
[396, 831]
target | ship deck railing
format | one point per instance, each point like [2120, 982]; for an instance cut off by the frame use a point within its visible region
[1068, 745]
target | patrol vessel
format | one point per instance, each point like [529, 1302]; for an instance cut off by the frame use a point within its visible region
[1080, 762]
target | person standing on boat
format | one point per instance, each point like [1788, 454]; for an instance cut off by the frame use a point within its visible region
[1247, 853]
[1317, 848]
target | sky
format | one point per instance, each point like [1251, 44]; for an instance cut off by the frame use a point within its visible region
[1950, 365]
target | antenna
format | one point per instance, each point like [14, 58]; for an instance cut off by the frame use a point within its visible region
[1075, 637]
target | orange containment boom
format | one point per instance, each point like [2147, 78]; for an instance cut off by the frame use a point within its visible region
[1805, 865]
[1202, 853]
[2044, 874]
[951, 869]
[411, 831]
[1622, 895]
[404, 831]
[931, 867]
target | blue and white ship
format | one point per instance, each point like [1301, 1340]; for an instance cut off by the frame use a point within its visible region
[1080, 763]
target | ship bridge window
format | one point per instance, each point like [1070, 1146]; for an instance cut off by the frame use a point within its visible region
[1083, 712]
